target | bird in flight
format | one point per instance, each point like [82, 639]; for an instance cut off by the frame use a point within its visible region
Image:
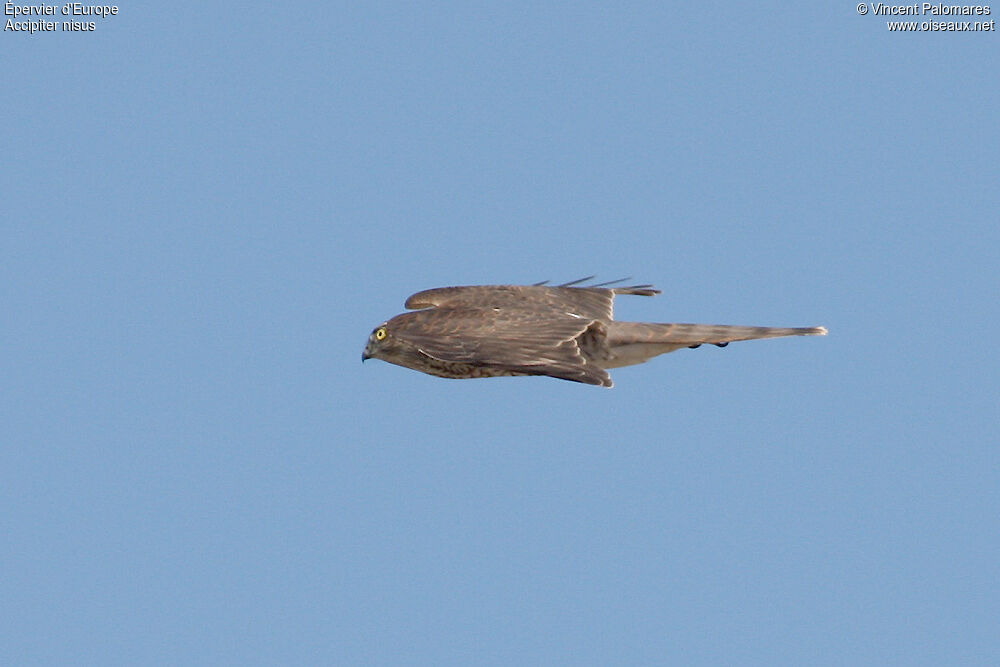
[564, 331]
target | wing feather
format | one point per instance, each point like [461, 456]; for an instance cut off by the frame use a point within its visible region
[581, 302]
[532, 342]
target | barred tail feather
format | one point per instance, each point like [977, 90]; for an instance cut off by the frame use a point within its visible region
[627, 333]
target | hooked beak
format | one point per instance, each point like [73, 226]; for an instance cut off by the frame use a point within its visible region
[365, 355]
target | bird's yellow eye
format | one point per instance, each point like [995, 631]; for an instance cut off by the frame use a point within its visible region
[380, 333]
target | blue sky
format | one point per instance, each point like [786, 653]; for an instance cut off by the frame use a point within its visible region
[206, 211]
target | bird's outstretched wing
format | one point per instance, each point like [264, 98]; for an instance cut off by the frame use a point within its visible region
[581, 302]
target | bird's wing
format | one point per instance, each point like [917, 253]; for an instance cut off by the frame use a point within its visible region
[580, 302]
[534, 342]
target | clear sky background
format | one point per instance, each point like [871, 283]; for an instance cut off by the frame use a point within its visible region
[208, 208]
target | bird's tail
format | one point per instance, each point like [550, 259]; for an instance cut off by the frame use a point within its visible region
[690, 335]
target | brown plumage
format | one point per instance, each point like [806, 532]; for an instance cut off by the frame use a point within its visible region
[565, 332]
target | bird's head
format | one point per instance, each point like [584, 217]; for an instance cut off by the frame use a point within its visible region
[388, 342]
[379, 343]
